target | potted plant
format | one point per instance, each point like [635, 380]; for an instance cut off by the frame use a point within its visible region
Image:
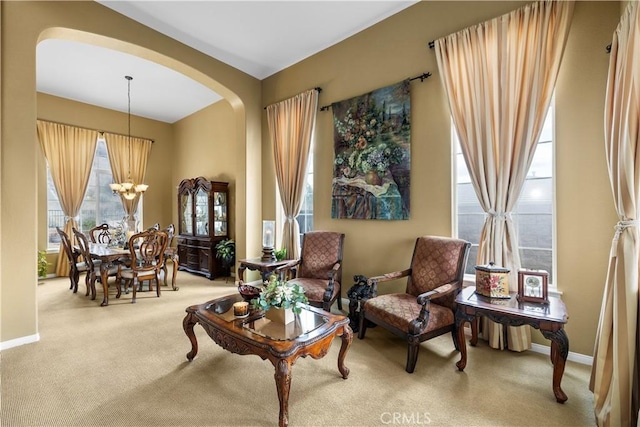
[42, 264]
[226, 252]
[280, 254]
[280, 300]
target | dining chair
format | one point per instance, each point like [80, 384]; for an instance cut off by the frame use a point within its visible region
[75, 267]
[100, 234]
[427, 307]
[93, 266]
[147, 257]
[319, 269]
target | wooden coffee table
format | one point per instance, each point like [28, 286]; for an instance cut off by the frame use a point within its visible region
[311, 334]
[548, 318]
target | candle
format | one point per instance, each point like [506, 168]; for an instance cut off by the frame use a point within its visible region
[268, 233]
[241, 309]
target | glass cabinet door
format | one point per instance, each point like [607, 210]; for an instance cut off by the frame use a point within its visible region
[202, 212]
[220, 213]
[186, 214]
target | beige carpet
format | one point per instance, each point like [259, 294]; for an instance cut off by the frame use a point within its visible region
[125, 365]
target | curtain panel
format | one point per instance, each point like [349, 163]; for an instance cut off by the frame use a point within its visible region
[614, 374]
[499, 78]
[128, 158]
[69, 151]
[291, 127]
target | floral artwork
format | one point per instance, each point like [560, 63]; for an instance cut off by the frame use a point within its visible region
[372, 155]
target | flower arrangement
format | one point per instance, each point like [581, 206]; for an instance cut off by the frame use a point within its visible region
[364, 147]
[280, 294]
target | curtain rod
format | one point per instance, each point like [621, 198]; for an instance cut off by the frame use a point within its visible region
[422, 78]
[319, 89]
[99, 131]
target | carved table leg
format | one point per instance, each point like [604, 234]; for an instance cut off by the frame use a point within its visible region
[474, 331]
[461, 319]
[347, 338]
[187, 324]
[104, 275]
[559, 353]
[283, 385]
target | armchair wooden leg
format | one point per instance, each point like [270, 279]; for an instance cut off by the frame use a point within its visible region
[340, 300]
[362, 327]
[412, 354]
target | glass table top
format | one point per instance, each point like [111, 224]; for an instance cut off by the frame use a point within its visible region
[304, 323]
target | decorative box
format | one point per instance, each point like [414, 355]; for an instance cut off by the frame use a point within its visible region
[492, 281]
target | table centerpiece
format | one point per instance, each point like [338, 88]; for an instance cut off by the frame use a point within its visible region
[280, 300]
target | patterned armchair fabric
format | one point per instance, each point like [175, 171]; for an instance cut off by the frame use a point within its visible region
[426, 309]
[319, 269]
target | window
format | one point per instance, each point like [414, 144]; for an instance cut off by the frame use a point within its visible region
[305, 218]
[99, 205]
[533, 214]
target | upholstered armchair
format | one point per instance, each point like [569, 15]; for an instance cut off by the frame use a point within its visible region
[427, 307]
[319, 268]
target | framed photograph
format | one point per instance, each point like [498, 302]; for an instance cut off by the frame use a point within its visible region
[533, 286]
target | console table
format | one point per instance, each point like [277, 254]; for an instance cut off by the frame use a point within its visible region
[548, 318]
[311, 334]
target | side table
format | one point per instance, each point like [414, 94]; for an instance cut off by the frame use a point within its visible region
[257, 264]
[548, 318]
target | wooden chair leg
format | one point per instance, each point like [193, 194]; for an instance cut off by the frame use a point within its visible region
[157, 284]
[340, 300]
[362, 327]
[133, 281]
[412, 354]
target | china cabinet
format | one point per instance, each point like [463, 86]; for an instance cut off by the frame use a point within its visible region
[203, 213]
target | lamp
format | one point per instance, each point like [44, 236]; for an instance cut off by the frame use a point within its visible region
[268, 234]
[128, 189]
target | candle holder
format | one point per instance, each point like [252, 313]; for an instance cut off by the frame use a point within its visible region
[268, 234]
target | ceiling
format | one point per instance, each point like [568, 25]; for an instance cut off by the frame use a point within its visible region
[257, 37]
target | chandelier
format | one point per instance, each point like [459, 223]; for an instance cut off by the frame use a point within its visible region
[128, 189]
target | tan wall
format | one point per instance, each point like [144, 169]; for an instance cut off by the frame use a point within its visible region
[396, 49]
[23, 24]
[205, 146]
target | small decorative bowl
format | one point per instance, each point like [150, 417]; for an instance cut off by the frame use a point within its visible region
[248, 292]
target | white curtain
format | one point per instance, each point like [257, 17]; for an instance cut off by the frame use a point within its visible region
[499, 78]
[614, 374]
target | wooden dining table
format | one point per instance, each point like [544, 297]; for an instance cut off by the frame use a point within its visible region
[110, 256]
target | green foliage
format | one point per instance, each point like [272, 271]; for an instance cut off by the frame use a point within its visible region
[280, 294]
[280, 254]
[226, 251]
[42, 264]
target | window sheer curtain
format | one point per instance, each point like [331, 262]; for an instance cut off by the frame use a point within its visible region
[128, 158]
[614, 374]
[499, 78]
[291, 127]
[69, 151]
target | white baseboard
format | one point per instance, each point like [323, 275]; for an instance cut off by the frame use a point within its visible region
[5, 345]
[573, 357]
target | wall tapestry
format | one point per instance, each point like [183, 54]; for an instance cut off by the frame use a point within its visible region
[371, 135]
